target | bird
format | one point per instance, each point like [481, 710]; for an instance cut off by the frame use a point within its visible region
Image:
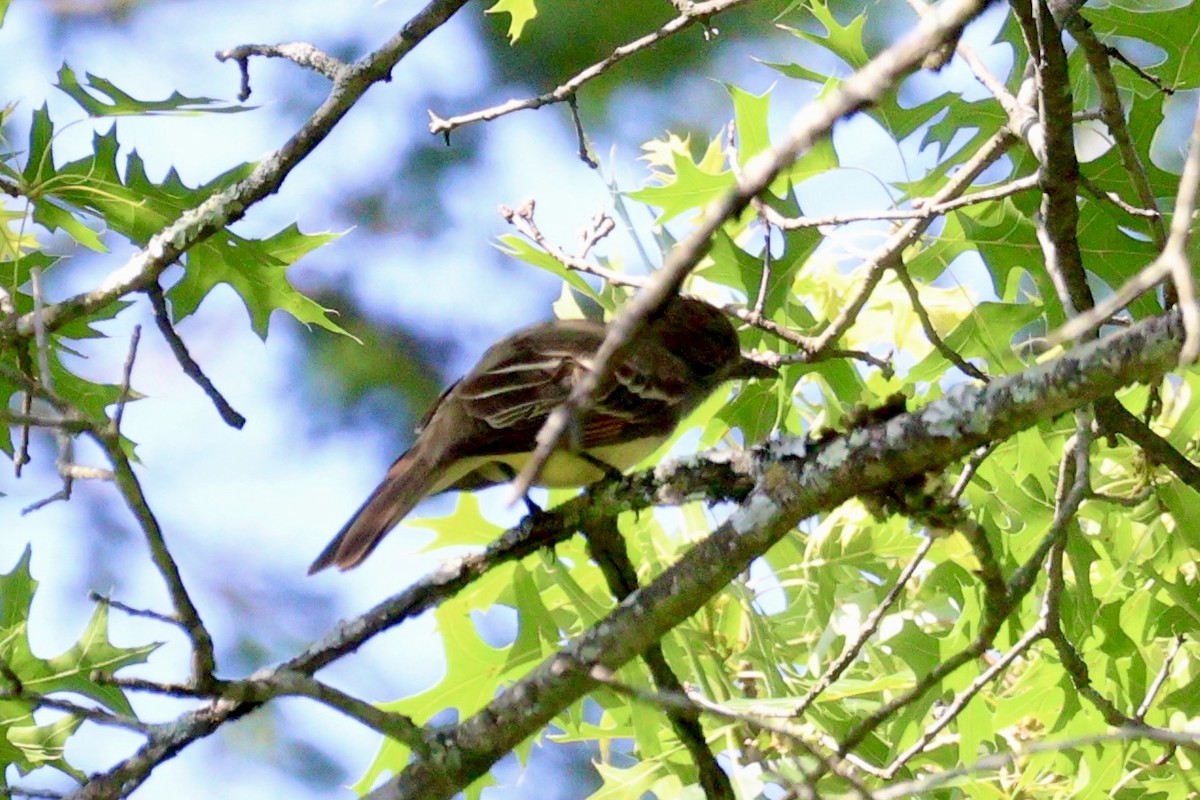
[483, 428]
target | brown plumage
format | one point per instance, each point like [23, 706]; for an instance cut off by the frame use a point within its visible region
[482, 429]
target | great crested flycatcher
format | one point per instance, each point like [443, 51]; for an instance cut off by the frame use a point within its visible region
[484, 427]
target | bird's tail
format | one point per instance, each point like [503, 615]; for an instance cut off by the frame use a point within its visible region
[408, 481]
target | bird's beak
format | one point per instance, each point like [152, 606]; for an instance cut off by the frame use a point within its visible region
[746, 368]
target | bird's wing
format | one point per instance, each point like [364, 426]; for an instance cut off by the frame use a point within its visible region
[522, 379]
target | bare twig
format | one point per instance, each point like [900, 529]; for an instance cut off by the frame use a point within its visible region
[970, 468]
[923, 208]
[950, 712]
[869, 627]
[696, 13]
[1159, 680]
[804, 355]
[927, 325]
[300, 53]
[584, 153]
[764, 282]
[693, 704]
[69, 424]
[153, 687]
[32, 794]
[96, 715]
[162, 317]
[203, 658]
[1149, 77]
[126, 378]
[1117, 200]
[599, 228]
[522, 220]
[280, 683]
[145, 613]
[1113, 115]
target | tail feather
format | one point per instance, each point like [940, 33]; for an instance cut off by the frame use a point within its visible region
[407, 482]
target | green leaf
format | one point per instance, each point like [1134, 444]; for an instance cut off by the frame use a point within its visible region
[1172, 31]
[519, 247]
[688, 186]
[750, 116]
[845, 41]
[473, 669]
[987, 334]
[466, 526]
[101, 98]
[257, 271]
[44, 745]
[70, 671]
[521, 11]
[137, 208]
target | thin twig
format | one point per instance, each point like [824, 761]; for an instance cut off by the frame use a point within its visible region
[697, 13]
[96, 715]
[1117, 200]
[522, 219]
[145, 613]
[695, 705]
[1113, 115]
[869, 627]
[804, 355]
[923, 208]
[764, 281]
[162, 317]
[1159, 680]
[300, 53]
[72, 424]
[931, 333]
[610, 552]
[126, 377]
[66, 453]
[970, 468]
[32, 794]
[203, 657]
[584, 152]
[279, 683]
[951, 710]
[153, 687]
[599, 228]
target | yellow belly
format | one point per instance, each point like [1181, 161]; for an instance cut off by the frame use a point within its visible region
[563, 469]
